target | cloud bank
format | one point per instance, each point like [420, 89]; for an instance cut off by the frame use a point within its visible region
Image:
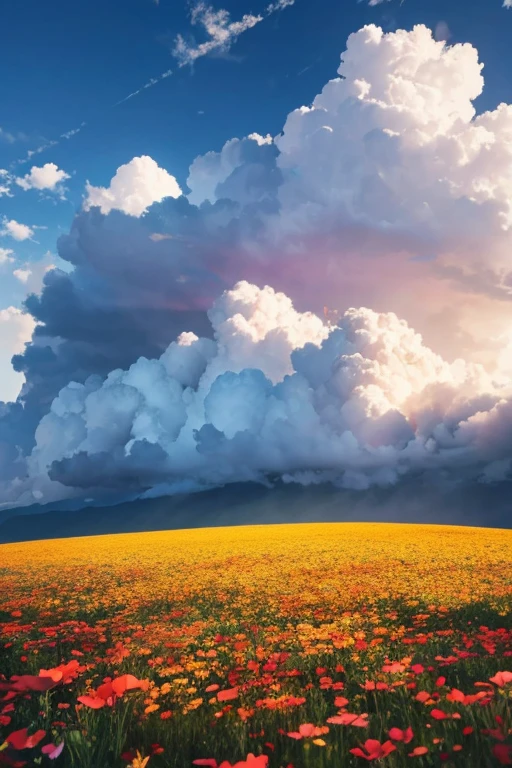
[382, 207]
[278, 393]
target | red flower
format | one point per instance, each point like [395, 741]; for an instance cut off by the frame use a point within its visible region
[503, 753]
[25, 683]
[110, 691]
[374, 750]
[397, 735]
[250, 762]
[438, 714]
[21, 739]
[360, 721]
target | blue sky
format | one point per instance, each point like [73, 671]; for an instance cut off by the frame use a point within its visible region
[64, 64]
[384, 199]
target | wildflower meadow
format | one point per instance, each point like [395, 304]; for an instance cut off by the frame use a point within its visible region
[287, 646]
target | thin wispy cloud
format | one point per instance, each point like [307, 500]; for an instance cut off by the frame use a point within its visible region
[221, 31]
[11, 138]
[153, 81]
[73, 132]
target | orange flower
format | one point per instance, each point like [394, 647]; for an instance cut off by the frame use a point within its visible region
[64, 672]
[227, 695]
[308, 731]
[359, 721]
[418, 751]
[501, 679]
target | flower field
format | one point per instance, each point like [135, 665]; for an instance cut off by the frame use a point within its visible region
[337, 645]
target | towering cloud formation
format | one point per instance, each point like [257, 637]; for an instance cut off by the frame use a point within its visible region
[277, 394]
[386, 192]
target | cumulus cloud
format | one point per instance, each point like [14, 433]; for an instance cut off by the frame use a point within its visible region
[387, 192]
[135, 186]
[47, 177]
[17, 231]
[16, 328]
[208, 172]
[278, 394]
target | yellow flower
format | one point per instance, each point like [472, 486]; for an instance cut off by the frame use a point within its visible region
[139, 761]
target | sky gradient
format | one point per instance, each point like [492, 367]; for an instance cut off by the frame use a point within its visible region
[398, 200]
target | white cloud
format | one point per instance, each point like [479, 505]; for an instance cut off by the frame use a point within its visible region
[279, 5]
[389, 176]
[16, 328]
[22, 274]
[5, 255]
[279, 393]
[150, 83]
[221, 31]
[16, 230]
[134, 187]
[507, 3]
[388, 191]
[48, 176]
[5, 183]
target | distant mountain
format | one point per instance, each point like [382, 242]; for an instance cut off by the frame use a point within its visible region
[250, 503]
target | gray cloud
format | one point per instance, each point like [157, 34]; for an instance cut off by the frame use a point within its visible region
[386, 192]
